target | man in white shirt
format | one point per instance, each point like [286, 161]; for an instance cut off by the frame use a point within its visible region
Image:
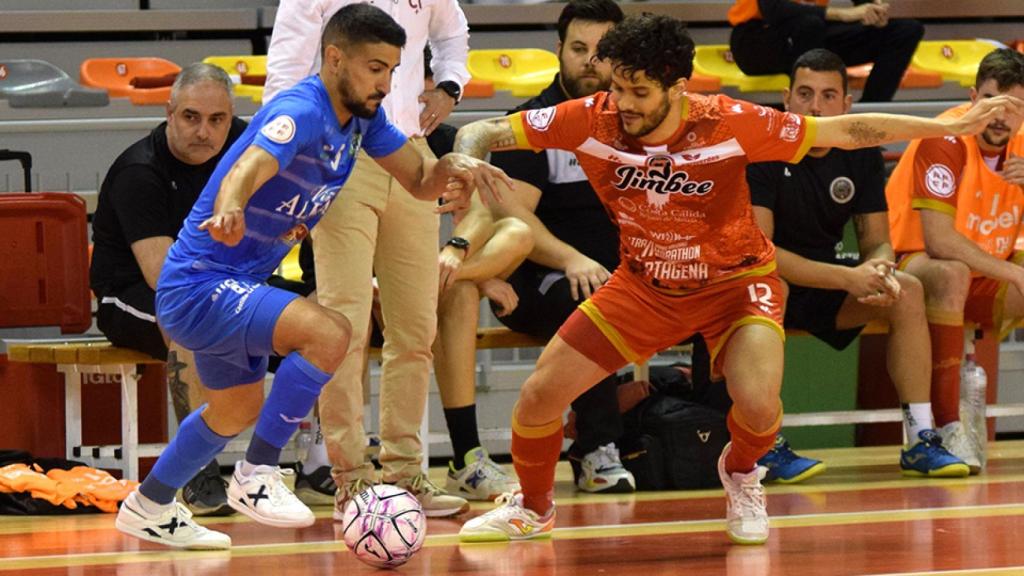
[375, 227]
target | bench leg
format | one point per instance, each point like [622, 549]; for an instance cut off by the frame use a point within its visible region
[129, 420]
[72, 409]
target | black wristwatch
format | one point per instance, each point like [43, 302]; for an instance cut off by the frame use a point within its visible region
[451, 88]
[458, 242]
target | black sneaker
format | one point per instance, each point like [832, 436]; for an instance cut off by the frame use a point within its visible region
[206, 494]
[317, 487]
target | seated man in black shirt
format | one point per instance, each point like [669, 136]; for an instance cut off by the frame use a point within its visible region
[144, 199]
[803, 208]
[576, 246]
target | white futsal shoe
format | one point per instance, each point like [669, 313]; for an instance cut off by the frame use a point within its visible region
[173, 527]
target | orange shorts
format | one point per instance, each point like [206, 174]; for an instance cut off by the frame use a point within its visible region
[628, 320]
[986, 297]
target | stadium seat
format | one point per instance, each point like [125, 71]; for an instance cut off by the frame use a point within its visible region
[912, 78]
[249, 73]
[144, 81]
[525, 72]
[39, 84]
[702, 83]
[955, 60]
[715, 61]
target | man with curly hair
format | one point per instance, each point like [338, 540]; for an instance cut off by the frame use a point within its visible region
[669, 166]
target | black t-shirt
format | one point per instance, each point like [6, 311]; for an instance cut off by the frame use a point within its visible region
[147, 193]
[568, 205]
[812, 201]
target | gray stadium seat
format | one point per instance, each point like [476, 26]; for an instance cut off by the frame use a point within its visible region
[39, 84]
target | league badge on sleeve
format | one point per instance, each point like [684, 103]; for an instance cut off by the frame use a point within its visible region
[280, 129]
[540, 119]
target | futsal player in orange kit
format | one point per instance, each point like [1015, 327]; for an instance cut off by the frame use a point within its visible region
[670, 168]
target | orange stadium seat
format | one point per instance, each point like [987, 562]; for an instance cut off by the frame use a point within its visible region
[523, 71]
[144, 81]
[703, 83]
[715, 61]
[955, 60]
[249, 73]
[912, 78]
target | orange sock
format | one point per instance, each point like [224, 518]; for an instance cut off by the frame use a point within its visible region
[535, 452]
[748, 446]
[947, 349]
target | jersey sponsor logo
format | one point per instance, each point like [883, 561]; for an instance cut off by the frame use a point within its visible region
[842, 190]
[541, 118]
[790, 131]
[661, 270]
[660, 180]
[680, 252]
[939, 180]
[1007, 219]
[280, 129]
[648, 212]
[319, 201]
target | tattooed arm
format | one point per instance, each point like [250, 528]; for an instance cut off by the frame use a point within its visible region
[478, 138]
[863, 130]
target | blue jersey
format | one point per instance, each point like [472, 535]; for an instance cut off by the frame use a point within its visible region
[315, 155]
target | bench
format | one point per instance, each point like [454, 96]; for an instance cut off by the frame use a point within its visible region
[97, 356]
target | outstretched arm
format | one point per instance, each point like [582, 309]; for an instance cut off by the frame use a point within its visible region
[252, 169]
[478, 138]
[851, 131]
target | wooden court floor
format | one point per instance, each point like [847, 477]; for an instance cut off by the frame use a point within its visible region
[859, 517]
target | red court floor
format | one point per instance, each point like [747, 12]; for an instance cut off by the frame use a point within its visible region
[859, 517]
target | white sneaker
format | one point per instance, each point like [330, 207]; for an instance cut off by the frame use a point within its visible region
[746, 517]
[509, 521]
[436, 502]
[601, 471]
[172, 527]
[958, 442]
[264, 497]
[480, 479]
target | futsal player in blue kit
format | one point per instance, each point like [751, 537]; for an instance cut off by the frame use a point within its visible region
[272, 186]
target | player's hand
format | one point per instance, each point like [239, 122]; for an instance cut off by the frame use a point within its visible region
[437, 106]
[473, 173]
[450, 262]
[869, 279]
[585, 276]
[1013, 170]
[226, 227]
[501, 293]
[984, 112]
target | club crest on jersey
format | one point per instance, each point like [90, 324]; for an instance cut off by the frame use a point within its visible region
[660, 180]
[280, 129]
[939, 180]
[541, 118]
[842, 190]
[297, 234]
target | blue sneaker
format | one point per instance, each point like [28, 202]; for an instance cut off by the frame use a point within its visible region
[928, 458]
[787, 467]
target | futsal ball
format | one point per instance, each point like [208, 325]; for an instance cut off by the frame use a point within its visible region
[384, 526]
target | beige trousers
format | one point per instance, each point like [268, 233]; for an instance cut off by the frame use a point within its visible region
[376, 226]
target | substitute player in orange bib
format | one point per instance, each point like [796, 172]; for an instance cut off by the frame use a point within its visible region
[955, 210]
[669, 166]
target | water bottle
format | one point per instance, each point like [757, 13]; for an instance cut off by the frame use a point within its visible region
[973, 382]
[303, 441]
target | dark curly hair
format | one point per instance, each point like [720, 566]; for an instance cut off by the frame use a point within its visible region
[659, 46]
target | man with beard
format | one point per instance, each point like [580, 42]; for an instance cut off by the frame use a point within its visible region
[272, 187]
[145, 198]
[955, 210]
[379, 229]
[576, 243]
[670, 168]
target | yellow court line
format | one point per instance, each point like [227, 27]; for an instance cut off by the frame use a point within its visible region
[1010, 570]
[573, 533]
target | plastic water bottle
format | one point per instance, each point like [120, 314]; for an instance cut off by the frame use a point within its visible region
[303, 441]
[973, 384]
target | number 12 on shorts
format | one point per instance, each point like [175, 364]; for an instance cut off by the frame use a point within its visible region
[760, 293]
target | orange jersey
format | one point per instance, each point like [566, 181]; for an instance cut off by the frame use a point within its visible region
[744, 10]
[951, 175]
[682, 207]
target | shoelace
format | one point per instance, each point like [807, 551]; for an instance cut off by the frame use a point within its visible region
[607, 458]
[355, 487]
[508, 504]
[491, 470]
[274, 480]
[751, 499]
[421, 484]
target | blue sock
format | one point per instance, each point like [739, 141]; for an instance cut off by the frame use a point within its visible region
[189, 451]
[297, 385]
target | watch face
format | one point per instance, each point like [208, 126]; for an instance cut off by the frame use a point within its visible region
[459, 243]
[451, 88]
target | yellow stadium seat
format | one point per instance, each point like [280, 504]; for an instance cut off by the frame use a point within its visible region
[525, 71]
[716, 61]
[955, 60]
[249, 73]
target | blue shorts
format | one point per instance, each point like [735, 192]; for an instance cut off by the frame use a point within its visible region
[227, 322]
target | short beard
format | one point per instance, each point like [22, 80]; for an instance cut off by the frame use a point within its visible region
[575, 87]
[359, 108]
[995, 143]
[653, 121]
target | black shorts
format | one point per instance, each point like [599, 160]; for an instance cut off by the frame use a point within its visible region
[127, 317]
[545, 301]
[815, 310]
